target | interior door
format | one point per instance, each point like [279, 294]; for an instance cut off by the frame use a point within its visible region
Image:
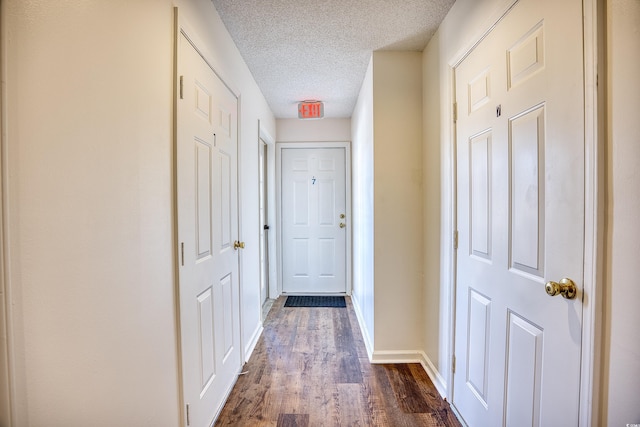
[520, 207]
[206, 159]
[314, 223]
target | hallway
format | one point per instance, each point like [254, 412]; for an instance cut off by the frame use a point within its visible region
[310, 368]
[90, 328]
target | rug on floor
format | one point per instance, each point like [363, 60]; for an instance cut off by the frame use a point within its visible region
[315, 301]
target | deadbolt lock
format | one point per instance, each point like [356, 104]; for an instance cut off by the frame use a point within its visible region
[341, 216]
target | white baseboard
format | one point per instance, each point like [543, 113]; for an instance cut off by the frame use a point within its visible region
[251, 345]
[413, 356]
[404, 356]
[437, 379]
[365, 333]
[392, 356]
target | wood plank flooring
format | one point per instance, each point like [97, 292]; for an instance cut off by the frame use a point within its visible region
[310, 368]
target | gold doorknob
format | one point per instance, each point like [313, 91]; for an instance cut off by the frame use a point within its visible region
[566, 288]
[237, 245]
[343, 225]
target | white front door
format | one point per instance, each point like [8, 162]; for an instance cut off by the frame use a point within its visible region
[206, 159]
[520, 202]
[314, 222]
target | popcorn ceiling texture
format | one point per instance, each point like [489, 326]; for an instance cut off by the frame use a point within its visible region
[319, 50]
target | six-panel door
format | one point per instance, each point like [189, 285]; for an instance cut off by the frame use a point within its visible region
[520, 205]
[207, 226]
[314, 223]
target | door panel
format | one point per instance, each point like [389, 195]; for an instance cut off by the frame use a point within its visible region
[478, 361]
[520, 207]
[203, 199]
[206, 159]
[313, 200]
[480, 214]
[526, 143]
[206, 338]
[524, 372]
[224, 200]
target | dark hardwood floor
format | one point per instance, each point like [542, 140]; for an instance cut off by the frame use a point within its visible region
[310, 368]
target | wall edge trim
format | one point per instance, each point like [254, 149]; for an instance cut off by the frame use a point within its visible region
[253, 341]
[368, 343]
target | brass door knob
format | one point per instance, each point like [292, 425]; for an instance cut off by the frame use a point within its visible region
[237, 245]
[566, 288]
[343, 225]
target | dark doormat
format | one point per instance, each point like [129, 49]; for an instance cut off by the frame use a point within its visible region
[315, 301]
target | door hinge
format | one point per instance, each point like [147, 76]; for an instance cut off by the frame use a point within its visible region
[182, 253]
[453, 364]
[181, 87]
[455, 112]
[188, 420]
[455, 239]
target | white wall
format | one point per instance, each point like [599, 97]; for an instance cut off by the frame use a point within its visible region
[363, 236]
[621, 367]
[434, 303]
[90, 224]
[89, 89]
[322, 130]
[397, 169]
[387, 168]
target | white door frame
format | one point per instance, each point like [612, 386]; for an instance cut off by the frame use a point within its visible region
[263, 134]
[594, 207]
[347, 160]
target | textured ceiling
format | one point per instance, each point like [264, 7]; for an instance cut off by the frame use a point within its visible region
[319, 50]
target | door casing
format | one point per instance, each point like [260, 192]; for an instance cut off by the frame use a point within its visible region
[311, 145]
[593, 36]
[265, 136]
